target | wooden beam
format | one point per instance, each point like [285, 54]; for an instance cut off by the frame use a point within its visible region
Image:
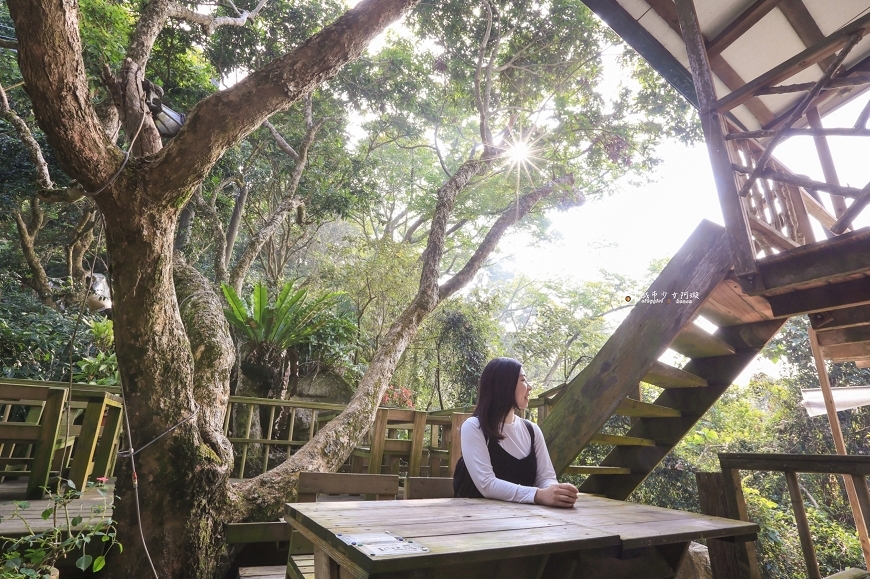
[817, 210]
[803, 525]
[826, 159]
[846, 352]
[770, 235]
[835, 84]
[842, 318]
[848, 216]
[800, 181]
[823, 261]
[798, 112]
[837, 433]
[746, 20]
[826, 297]
[801, 61]
[804, 25]
[736, 222]
[729, 77]
[729, 306]
[592, 397]
[665, 376]
[844, 336]
[821, 132]
[838, 464]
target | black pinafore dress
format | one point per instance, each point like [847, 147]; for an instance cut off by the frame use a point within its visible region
[520, 471]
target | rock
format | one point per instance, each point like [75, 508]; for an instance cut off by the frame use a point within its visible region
[323, 387]
[696, 563]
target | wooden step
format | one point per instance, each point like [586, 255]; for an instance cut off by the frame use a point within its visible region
[638, 409]
[619, 440]
[597, 470]
[694, 341]
[666, 376]
[729, 306]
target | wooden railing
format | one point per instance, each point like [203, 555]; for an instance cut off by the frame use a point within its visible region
[721, 494]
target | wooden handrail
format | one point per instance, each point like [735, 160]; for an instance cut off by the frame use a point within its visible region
[856, 467]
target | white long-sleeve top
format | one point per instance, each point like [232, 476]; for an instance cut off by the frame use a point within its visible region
[518, 444]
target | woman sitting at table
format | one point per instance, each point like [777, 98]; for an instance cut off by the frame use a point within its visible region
[505, 457]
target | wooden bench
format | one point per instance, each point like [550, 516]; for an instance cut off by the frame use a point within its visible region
[427, 487]
[40, 429]
[300, 563]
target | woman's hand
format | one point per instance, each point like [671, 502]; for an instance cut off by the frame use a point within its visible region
[557, 495]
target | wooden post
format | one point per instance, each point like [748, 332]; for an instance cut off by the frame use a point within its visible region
[417, 436]
[736, 222]
[455, 439]
[826, 159]
[87, 442]
[724, 559]
[379, 435]
[803, 525]
[736, 505]
[825, 384]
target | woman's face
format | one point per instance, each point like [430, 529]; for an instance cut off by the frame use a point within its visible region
[522, 392]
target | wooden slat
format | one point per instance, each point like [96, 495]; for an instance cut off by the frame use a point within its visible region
[19, 432]
[770, 235]
[666, 376]
[618, 440]
[313, 483]
[804, 463]
[844, 336]
[269, 572]
[817, 210]
[803, 525]
[638, 409]
[591, 398]
[275, 531]
[794, 65]
[428, 487]
[846, 352]
[827, 297]
[826, 260]
[842, 318]
[15, 391]
[574, 469]
[729, 306]
[695, 342]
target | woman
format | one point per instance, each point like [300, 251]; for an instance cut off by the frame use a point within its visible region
[505, 457]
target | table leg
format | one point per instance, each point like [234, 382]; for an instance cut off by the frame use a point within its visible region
[324, 566]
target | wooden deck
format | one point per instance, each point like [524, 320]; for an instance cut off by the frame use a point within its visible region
[15, 491]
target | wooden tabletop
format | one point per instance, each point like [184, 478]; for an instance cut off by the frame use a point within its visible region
[456, 531]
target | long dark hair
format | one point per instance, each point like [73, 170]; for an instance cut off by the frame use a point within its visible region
[496, 395]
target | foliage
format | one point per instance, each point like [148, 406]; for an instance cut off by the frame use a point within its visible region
[288, 322]
[397, 397]
[31, 556]
[101, 369]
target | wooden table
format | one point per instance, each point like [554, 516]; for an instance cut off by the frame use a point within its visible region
[482, 539]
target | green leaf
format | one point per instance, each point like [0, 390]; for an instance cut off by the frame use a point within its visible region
[76, 521]
[84, 562]
[47, 513]
[99, 563]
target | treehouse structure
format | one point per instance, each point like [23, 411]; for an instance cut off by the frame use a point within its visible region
[759, 72]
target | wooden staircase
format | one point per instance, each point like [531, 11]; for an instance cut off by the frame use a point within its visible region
[606, 387]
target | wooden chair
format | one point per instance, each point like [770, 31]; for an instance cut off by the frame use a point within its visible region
[311, 485]
[427, 487]
[40, 429]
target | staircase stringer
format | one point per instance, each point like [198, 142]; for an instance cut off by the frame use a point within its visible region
[594, 395]
[720, 373]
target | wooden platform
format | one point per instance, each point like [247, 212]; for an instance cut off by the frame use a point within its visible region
[15, 490]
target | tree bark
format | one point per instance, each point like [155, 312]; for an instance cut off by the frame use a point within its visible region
[27, 233]
[183, 488]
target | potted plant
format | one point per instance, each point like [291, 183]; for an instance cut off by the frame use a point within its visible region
[34, 555]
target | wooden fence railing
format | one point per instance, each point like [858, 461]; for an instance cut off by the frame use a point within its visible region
[721, 494]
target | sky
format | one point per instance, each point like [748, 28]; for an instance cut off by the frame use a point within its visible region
[624, 232]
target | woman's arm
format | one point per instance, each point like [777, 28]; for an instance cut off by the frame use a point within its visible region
[546, 474]
[476, 456]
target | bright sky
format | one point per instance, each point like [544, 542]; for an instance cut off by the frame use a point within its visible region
[625, 232]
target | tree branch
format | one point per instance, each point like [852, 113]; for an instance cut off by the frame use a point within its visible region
[281, 142]
[224, 118]
[26, 137]
[211, 23]
[48, 32]
[511, 215]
